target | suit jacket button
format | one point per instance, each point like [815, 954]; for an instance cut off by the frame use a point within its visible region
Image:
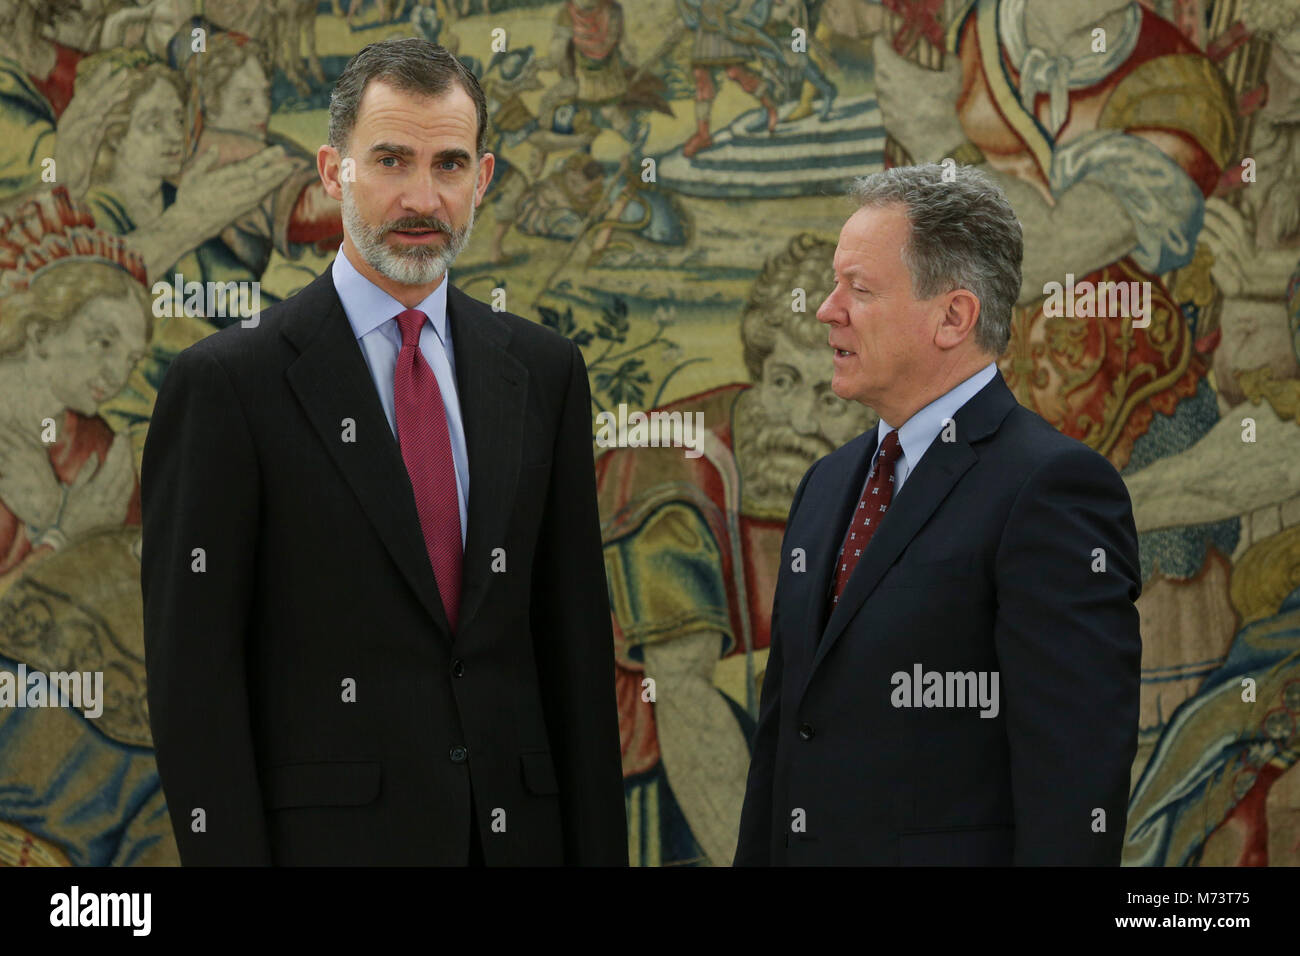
[457, 668]
[459, 754]
[806, 731]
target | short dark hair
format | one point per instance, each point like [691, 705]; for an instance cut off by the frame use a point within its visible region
[411, 64]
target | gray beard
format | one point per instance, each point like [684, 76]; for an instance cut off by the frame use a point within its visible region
[416, 265]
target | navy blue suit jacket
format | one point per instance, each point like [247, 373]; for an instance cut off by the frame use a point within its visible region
[1011, 550]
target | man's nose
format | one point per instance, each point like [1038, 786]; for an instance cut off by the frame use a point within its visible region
[829, 310]
[422, 196]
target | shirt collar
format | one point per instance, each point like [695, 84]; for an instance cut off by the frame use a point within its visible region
[920, 431]
[368, 307]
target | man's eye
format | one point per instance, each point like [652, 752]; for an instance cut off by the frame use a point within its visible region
[387, 160]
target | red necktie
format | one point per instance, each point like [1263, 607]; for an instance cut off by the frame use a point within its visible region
[871, 509]
[426, 449]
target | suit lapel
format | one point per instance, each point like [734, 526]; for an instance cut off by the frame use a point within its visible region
[839, 499]
[493, 388]
[333, 383]
[934, 477]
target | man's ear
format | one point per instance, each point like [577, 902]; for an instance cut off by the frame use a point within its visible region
[486, 165]
[959, 319]
[330, 168]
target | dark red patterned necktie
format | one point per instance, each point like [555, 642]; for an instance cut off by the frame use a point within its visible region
[875, 501]
[426, 448]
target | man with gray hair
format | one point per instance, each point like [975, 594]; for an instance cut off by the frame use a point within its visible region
[953, 675]
[376, 619]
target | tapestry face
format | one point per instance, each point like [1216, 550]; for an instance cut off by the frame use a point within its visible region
[668, 186]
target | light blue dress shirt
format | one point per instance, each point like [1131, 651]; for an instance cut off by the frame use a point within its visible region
[920, 431]
[372, 312]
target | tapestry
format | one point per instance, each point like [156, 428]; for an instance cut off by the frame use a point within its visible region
[671, 179]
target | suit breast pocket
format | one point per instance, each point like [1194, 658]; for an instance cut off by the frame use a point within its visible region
[958, 846]
[917, 574]
[353, 783]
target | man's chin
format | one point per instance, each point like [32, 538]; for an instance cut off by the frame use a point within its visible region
[848, 389]
[422, 272]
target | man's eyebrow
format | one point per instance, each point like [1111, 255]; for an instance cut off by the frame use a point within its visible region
[394, 148]
[406, 152]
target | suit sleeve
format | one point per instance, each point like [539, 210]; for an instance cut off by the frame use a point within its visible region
[754, 847]
[1069, 651]
[199, 489]
[574, 644]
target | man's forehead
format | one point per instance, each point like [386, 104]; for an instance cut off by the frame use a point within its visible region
[867, 238]
[450, 113]
[851, 263]
[846, 266]
[874, 223]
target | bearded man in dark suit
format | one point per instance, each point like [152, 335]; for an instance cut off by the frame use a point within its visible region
[376, 620]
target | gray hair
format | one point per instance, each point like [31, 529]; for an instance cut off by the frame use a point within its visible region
[964, 235]
[410, 64]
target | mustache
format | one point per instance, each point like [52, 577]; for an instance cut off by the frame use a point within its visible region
[416, 222]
